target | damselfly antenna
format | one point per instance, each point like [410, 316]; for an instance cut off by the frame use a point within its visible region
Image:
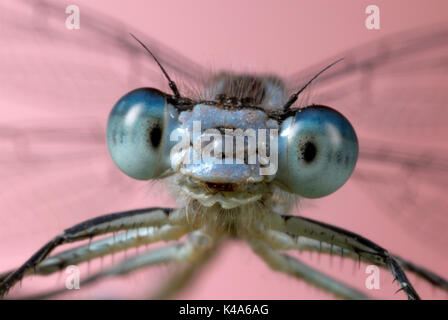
[294, 97]
[171, 83]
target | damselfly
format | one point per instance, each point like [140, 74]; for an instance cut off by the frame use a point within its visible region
[394, 89]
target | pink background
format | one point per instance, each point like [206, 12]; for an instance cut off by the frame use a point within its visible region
[56, 97]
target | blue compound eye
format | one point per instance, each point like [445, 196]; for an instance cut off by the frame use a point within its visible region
[137, 131]
[318, 150]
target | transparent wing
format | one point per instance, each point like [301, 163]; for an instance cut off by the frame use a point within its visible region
[395, 92]
[57, 88]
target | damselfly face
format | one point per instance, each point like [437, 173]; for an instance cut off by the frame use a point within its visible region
[236, 146]
[58, 87]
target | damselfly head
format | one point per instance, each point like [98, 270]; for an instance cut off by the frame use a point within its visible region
[236, 144]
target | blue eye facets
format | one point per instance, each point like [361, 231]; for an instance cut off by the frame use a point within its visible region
[318, 150]
[137, 133]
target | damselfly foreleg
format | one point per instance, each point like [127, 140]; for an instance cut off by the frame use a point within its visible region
[292, 266]
[299, 226]
[149, 217]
